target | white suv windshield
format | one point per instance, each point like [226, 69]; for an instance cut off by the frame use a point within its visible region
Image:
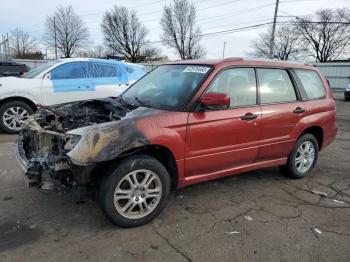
[33, 73]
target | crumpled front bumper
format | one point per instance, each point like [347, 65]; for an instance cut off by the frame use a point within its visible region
[31, 177]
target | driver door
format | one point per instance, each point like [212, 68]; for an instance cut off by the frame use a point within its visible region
[220, 140]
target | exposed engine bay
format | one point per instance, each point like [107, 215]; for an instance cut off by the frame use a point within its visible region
[45, 140]
[65, 117]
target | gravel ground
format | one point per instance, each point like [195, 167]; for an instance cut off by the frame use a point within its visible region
[256, 216]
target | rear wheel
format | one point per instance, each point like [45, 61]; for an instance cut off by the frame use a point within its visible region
[303, 158]
[135, 191]
[12, 114]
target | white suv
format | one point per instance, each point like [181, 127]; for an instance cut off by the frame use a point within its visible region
[61, 81]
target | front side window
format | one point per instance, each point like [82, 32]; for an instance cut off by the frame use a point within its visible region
[275, 86]
[238, 83]
[167, 86]
[68, 71]
[312, 83]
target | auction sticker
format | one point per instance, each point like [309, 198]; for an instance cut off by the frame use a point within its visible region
[196, 69]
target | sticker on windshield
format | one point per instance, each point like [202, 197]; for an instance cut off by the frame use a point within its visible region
[196, 69]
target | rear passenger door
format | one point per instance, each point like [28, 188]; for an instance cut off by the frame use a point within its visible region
[109, 79]
[281, 109]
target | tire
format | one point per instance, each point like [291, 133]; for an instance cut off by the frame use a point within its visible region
[139, 165]
[6, 115]
[301, 168]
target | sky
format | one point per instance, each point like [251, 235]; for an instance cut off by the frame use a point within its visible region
[212, 16]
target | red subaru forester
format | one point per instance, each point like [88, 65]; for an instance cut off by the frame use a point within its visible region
[183, 123]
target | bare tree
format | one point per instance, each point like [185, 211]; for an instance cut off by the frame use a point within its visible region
[152, 54]
[326, 35]
[69, 30]
[125, 34]
[96, 52]
[21, 43]
[180, 31]
[287, 44]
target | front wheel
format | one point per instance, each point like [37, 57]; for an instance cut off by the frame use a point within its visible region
[135, 191]
[12, 114]
[303, 158]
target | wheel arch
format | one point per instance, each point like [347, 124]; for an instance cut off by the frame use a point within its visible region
[19, 98]
[317, 132]
[159, 152]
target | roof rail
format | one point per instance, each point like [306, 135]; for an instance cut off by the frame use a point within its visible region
[229, 59]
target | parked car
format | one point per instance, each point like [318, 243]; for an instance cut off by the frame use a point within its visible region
[10, 68]
[61, 81]
[347, 92]
[183, 123]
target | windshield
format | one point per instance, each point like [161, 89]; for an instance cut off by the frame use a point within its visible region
[167, 86]
[33, 73]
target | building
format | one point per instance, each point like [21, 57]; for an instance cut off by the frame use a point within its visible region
[337, 72]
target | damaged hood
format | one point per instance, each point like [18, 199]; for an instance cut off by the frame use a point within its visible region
[69, 116]
[104, 127]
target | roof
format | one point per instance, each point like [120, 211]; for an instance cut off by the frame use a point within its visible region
[89, 59]
[243, 62]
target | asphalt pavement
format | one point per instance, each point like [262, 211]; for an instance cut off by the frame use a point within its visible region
[256, 216]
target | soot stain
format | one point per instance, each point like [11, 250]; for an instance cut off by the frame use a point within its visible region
[13, 235]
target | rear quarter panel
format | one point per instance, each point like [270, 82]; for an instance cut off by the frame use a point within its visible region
[322, 112]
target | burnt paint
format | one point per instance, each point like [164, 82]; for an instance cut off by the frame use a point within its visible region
[104, 142]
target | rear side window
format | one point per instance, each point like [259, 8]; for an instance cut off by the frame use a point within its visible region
[109, 70]
[275, 86]
[238, 83]
[312, 83]
[68, 71]
[98, 70]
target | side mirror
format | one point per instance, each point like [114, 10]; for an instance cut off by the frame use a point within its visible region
[215, 101]
[47, 75]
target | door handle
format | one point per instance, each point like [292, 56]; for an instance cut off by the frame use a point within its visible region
[298, 110]
[249, 116]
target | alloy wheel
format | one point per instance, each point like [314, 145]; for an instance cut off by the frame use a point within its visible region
[14, 116]
[137, 194]
[305, 157]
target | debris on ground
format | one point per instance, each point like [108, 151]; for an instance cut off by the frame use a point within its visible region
[338, 201]
[180, 197]
[232, 232]
[316, 231]
[319, 193]
[249, 218]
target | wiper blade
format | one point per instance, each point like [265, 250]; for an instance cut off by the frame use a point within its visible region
[140, 101]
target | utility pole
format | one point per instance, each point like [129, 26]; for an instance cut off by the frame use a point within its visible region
[272, 42]
[223, 50]
[54, 28]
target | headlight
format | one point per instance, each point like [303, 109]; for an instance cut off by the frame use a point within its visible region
[71, 142]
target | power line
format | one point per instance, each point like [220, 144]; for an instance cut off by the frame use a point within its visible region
[229, 31]
[234, 30]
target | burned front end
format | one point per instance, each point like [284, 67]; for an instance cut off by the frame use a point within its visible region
[47, 147]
